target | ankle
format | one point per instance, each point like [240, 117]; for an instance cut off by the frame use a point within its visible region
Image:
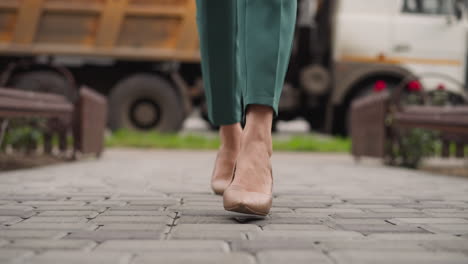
[258, 141]
[258, 127]
[230, 137]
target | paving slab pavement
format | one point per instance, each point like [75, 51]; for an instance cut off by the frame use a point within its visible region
[147, 206]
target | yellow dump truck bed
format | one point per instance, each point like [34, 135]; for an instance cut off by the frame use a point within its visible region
[129, 29]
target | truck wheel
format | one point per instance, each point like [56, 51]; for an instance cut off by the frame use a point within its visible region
[145, 102]
[45, 81]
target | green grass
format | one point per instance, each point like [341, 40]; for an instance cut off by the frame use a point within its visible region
[309, 142]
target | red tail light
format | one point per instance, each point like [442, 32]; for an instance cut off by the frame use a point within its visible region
[414, 86]
[380, 86]
[441, 87]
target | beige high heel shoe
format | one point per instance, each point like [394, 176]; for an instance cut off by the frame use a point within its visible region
[237, 199]
[219, 184]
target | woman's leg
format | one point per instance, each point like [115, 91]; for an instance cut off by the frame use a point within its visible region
[217, 26]
[265, 34]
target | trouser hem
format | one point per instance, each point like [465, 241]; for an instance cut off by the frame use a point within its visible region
[261, 100]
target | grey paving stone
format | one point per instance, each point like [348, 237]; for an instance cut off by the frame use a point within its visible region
[202, 211]
[14, 255]
[47, 244]
[373, 244]
[218, 227]
[137, 208]
[199, 197]
[379, 215]
[363, 206]
[295, 234]
[18, 213]
[138, 213]
[414, 237]
[327, 199]
[87, 198]
[216, 234]
[286, 227]
[394, 210]
[136, 226]
[16, 206]
[428, 221]
[381, 228]
[70, 208]
[141, 198]
[132, 219]
[254, 246]
[195, 258]
[357, 221]
[8, 220]
[275, 210]
[384, 257]
[299, 204]
[457, 204]
[328, 211]
[288, 218]
[86, 214]
[445, 210]
[53, 203]
[447, 245]
[54, 226]
[108, 203]
[57, 219]
[448, 215]
[428, 205]
[3, 242]
[103, 235]
[26, 197]
[293, 256]
[211, 203]
[79, 257]
[374, 200]
[206, 220]
[138, 246]
[454, 229]
[162, 202]
[15, 234]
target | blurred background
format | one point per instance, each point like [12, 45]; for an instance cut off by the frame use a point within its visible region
[130, 70]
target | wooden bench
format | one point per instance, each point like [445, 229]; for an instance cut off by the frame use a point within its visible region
[15, 103]
[377, 119]
[452, 119]
[85, 120]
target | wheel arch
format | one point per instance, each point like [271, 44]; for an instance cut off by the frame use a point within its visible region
[348, 83]
[352, 82]
[20, 67]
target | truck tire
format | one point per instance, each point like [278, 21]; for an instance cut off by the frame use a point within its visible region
[45, 81]
[145, 102]
[315, 79]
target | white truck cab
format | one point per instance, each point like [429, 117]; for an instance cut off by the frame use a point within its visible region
[396, 38]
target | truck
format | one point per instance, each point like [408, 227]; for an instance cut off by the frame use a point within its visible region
[144, 55]
[354, 47]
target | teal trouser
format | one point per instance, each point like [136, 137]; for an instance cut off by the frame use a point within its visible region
[245, 47]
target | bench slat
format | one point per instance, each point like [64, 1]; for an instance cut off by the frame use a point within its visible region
[12, 107]
[21, 94]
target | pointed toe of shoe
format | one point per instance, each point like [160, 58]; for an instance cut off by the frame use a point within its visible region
[219, 186]
[239, 200]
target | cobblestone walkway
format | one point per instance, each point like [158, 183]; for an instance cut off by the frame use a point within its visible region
[156, 207]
